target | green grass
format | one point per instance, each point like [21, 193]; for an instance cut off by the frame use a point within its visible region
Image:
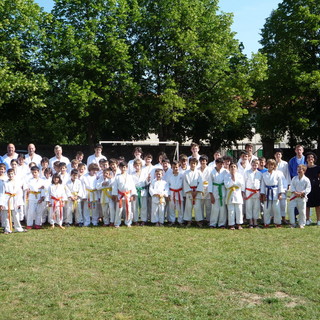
[160, 273]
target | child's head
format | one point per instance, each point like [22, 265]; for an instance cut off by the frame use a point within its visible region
[195, 148]
[271, 165]
[249, 148]
[48, 172]
[262, 162]
[81, 168]
[44, 162]
[175, 166]
[219, 163]
[74, 163]
[148, 158]
[62, 167]
[203, 160]
[98, 149]
[113, 164]
[93, 169]
[183, 159]
[158, 173]
[74, 174]
[56, 179]
[10, 174]
[278, 154]
[103, 164]
[193, 162]
[56, 166]
[2, 169]
[226, 162]
[233, 167]
[79, 156]
[14, 163]
[137, 152]
[165, 164]
[301, 169]
[255, 164]
[216, 155]
[299, 150]
[107, 173]
[311, 158]
[244, 156]
[137, 164]
[35, 171]
[123, 166]
[20, 159]
[161, 155]
[32, 164]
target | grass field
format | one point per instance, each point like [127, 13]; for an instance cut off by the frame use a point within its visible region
[160, 273]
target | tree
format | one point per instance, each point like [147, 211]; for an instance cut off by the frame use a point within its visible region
[288, 102]
[22, 83]
[194, 81]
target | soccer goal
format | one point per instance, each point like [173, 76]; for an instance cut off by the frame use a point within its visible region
[173, 144]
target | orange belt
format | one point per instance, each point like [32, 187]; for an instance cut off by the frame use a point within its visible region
[11, 195]
[253, 191]
[55, 203]
[176, 191]
[126, 195]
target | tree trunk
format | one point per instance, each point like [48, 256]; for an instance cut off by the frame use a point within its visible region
[268, 147]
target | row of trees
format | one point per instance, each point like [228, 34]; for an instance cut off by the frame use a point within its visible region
[120, 69]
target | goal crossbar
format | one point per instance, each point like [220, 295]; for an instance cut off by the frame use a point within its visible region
[147, 143]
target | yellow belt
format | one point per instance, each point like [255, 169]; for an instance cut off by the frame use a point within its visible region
[105, 193]
[35, 193]
[232, 189]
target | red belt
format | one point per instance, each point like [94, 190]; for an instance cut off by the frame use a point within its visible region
[293, 198]
[254, 191]
[55, 202]
[174, 195]
[125, 195]
[193, 199]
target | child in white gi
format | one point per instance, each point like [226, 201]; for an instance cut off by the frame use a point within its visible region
[234, 183]
[300, 188]
[205, 201]
[271, 191]
[104, 185]
[193, 189]
[36, 196]
[140, 179]
[75, 192]
[253, 179]
[217, 191]
[10, 201]
[159, 190]
[123, 193]
[175, 183]
[91, 196]
[55, 199]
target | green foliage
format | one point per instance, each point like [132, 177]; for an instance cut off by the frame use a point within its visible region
[289, 99]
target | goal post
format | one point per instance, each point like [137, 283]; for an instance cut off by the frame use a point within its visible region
[175, 144]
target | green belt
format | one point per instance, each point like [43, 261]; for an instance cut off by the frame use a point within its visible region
[219, 185]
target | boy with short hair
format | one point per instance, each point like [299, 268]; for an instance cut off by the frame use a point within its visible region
[75, 193]
[193, 189]
[217, 191]
[262, 165]
[91, 196]
[271, 191]
[140, 179]
[10, 201]
[184, 163]
[175, 183]
[36, 197]
[104, 185]
[234, 183]
[253, 179]
[137, 152]
[159, 190]
[123, 192]
[300, 188]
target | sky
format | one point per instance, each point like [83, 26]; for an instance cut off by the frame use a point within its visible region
[249, 18]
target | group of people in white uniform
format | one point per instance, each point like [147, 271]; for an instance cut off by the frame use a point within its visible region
[35, 190]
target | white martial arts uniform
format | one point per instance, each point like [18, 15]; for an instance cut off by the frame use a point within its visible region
[140, 204]
[159, 190]
[94, 159]
[54, 159]
[216, 186]
[193, 182]
[252, 193]
[123, 188]
[299, 185]
[234, 199]
[90, 205]
[286, 181]
[175, 184]
[56, 197]
[11, 198]
[36, 158]
[271, 186]
[107, 204]
[205, 201]
[74, 189]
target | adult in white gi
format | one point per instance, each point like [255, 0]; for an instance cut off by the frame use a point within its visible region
[32, 156]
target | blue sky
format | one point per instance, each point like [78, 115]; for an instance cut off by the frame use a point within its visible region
[249, 18]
